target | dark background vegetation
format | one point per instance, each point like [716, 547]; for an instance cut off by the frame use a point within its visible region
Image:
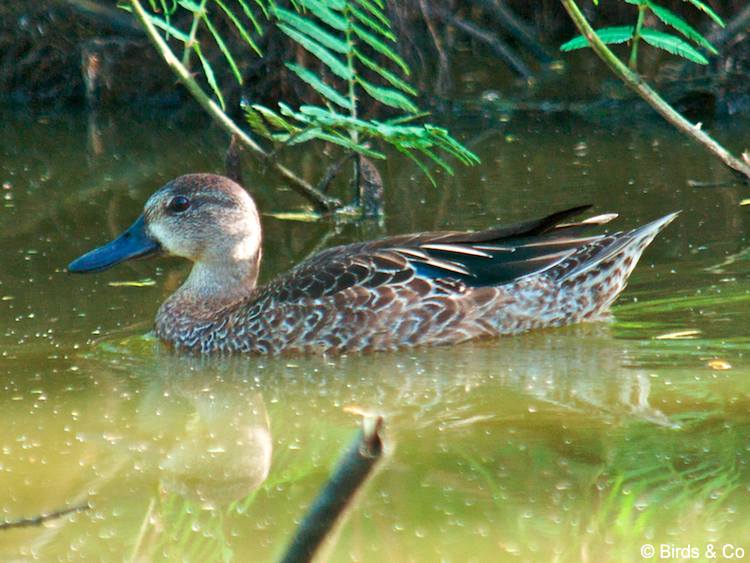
[73, 52]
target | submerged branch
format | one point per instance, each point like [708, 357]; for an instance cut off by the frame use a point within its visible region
[44, 517]
[636, 83]
[321, 201]
[347, 479]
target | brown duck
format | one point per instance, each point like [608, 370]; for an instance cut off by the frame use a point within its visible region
[406, 290]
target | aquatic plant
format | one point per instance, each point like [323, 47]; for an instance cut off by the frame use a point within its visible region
[354, 61]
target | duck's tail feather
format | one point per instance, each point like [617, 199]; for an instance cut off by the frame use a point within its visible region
[627, 245]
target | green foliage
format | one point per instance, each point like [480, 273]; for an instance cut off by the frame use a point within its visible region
[608, 35]
[203, 30]
[665, 41]
[354, 61]
[357, 62]
[672, 44]
[313, 122]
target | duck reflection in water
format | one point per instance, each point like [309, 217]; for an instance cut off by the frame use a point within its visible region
[209, 436]
[224, 453]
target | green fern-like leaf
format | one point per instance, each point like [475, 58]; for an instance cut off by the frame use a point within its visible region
[673, 44]
[375, 25]
[388, 96]
[312, 30]
[391, 77]
[325, 14]
[355, 59]
[706, 9]
[209, 72]
[251, 16]
[375, 9]
[673, 20]
[354, 45]
[608, 35]
[240, 27]
[203, 31]
[328, 92]
[380, 47]
[347, 37]
[223, 48]
[255, 120]
[274, 119]
[167, 27]
[335, 64]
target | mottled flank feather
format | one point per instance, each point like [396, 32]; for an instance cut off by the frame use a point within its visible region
[432, 288]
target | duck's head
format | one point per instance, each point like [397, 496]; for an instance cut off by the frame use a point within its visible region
[208, 219]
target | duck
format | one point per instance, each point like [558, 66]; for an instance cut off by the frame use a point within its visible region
[407, 290]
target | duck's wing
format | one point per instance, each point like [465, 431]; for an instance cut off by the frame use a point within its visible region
[491, 257]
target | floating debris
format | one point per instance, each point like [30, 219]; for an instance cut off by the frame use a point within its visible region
[145, 282]
[302, 216]
[679, 335]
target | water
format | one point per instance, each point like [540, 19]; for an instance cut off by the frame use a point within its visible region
[581, 443]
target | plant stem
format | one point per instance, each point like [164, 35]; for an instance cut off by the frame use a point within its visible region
[322, 202]
[353, 133]
[193, 31]
[633, 64]
[636, 83]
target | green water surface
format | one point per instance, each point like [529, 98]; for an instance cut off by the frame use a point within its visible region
[573, 444]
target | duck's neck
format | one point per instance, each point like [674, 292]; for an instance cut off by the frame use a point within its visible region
[221, 281]
[212, 286]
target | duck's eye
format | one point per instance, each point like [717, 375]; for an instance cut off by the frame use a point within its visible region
[179, 204]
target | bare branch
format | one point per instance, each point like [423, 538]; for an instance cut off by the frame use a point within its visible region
[44, 517]
[347, 479]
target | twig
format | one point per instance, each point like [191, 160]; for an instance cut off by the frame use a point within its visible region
[369, 188]
[510, 22]
[233, 161]
[444, 79]
[115, 19]
[44, 517]
[333, 171]
[495, 43]
[738, 24]
[321, 201]
[188, 50]
[346, 480]
[636, 83]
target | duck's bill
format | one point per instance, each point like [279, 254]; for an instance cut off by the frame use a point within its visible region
[133, 243]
